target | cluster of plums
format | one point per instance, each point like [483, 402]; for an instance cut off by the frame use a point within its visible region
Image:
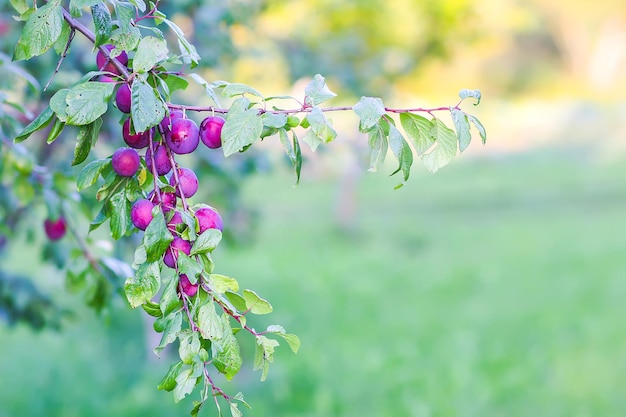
[178, 135]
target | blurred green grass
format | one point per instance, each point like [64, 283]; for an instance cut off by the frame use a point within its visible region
[493, 288]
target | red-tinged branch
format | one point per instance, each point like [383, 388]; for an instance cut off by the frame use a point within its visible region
[76, 25]
[309, 109]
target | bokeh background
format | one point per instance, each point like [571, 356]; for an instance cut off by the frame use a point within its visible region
[495, 287]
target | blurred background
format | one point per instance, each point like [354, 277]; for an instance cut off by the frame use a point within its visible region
[495, 287]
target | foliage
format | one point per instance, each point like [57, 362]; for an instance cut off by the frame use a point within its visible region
[173, 276]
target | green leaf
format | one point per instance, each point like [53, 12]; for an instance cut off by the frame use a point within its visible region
[236, 89]
[174, 82]
[235, 411]
[418, 129]
[147, 109]
[274, 120]
[168, 382]
[152, 309]
[463, 94]
[479, 126]
[256, 304]
[41, 121]
[298, 152]
[88, 101]
[369, 110]
[185, 383]
[208, 87]
[187, 50]
[120, 214]
[157, 236]
[403, 153]
[55, 131]
[264, 355]
[41, 31]
[206, 242]
[102, 23]
[226, 355]
[243, 127]
[63, 39]
[140, 4]
[87, 137]
[189, 346]
[236, 300]
[317, 92]
[292, 340]
[169, 299]
[59, 105]
[321, 130]
[221, 283]
[171, 325]
[462, 127]
[127, 36]
[188, 266]
[85, 3]
[209, 323]
[445, 149]
[293, 151]
[150, 52]
[378, 144]
[90, 173]
[144, 285]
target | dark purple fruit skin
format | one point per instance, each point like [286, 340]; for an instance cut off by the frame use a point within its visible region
[187, 287]
[125, 162]
[122, 98]
[106, 65]
[141, 213]
[55, 229]
[211, 131]
[209, 218]
[171, 255]
[137, 140]
[168, 200]
[188, 182]
[183, 137]
[166, 123]
[161, 160]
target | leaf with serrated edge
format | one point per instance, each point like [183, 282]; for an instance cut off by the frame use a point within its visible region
[147, 109]
[168, 382]
[157, 237]
[403, 154]
[102, 23]
[418, 129]
[479, 126]
[87, 137]
[144, 285]
[90, 173]
[243, 127]
[461, 124]
[172, 325]
[378, 145]
[465, 93]
[209, 322]
[445, 149]
[226, 356]
[206, 242]
[369, 110]
[256, 304]
[236, 89]
[264, 355]
[40, 32]
[150, 52]
[88, 101]
[317, 91]
[221, 283]
[185, 383]
[189, 346]
[236, 300]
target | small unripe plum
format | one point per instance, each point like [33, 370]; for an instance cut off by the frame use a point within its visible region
[105, 64]
[166, 123]
[141, 213]
[188, 182]
[209, 218]
[211, 131]
[187, 287]
[168, 200]
[135, 140]
[161, 160]
[125, 162]
[183, 137]
[122, 98]
[171, 254]
[55, 229]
